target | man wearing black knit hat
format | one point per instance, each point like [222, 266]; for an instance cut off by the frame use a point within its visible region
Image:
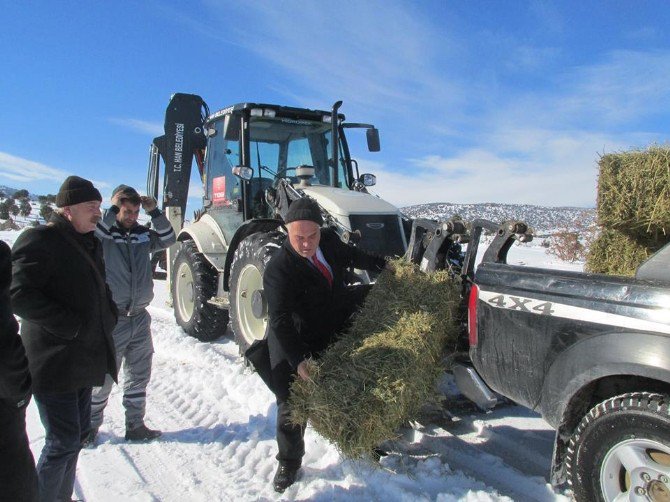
[309, 304]
[68, 315]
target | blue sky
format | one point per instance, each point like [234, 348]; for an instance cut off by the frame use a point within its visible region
[476, 101]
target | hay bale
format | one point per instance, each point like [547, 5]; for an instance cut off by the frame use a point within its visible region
[616, 253]
[634, 192]
[380, 373]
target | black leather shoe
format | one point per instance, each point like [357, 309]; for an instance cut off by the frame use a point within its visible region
[89, 440]
[285, 476]
[142, 433]
[378, 453]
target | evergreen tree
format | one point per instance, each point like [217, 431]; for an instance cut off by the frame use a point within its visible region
[45, 211]
[25, 208]
[4, 210]
[21, 194]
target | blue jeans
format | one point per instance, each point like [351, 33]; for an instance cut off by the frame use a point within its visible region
[66, 417]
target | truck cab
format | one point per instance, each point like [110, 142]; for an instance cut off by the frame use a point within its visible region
[589, 352]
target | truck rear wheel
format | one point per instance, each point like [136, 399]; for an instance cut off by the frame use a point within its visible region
[194, 282]
[248, 306]
[621, 450]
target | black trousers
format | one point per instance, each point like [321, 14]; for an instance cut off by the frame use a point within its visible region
[66, 417]
[290, 437]
[18, 479]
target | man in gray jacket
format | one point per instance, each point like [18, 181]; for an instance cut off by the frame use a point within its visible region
[127, 247]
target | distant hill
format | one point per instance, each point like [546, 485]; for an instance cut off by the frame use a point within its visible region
[544, 220]
[11, 191]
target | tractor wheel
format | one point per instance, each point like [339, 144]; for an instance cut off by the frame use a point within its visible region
[248, 306]
[194, 281]
[621, 450]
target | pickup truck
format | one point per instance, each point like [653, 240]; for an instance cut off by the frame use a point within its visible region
[589, 352]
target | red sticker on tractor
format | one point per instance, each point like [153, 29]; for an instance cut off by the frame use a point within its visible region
[219, 191]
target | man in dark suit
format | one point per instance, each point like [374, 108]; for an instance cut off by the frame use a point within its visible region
[59, 290]
[309, 304]
[18, 480]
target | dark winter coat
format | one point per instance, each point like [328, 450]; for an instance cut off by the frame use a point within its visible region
[14, 375]
[305, 313]
[67, 313]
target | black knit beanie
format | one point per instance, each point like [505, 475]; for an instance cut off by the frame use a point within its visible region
[304, 209]
[76, 190]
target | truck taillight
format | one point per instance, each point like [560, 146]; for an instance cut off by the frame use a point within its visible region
[472, 315]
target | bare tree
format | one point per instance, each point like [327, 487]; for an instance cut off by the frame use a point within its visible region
[572, 244]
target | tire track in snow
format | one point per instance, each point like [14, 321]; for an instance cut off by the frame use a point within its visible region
[195, 410]
[219, 444]
[513, 461]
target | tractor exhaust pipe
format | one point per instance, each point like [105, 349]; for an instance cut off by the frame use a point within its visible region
[335, 142]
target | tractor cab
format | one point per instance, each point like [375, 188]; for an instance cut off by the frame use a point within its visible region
[271, 142]
[253, 161]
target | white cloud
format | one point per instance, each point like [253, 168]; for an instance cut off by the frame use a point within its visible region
[26, 171]
[543, 167]
[524, 124]
[622, 88]
[143, 126]
[349, 50]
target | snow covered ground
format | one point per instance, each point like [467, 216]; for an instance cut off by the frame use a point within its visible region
[218, 423]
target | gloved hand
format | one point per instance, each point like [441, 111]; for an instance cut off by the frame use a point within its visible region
[148, 203]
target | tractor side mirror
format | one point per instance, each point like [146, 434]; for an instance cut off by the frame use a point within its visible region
[368, 179]
[372, 136]
[245, 173]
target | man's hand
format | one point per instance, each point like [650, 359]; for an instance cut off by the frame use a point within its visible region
[148, 203]
[116, 199]
[303, 372]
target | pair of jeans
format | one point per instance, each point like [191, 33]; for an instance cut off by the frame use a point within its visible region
[18, 481]
[66, 417]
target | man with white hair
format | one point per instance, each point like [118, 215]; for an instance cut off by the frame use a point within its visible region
[60, 292]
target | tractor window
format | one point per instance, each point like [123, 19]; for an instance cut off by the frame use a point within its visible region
[264, 158]
[222, 187]
[282, 145]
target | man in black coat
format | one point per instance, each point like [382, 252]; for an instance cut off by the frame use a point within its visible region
[59, 290]
[18, 480]
[308, 305]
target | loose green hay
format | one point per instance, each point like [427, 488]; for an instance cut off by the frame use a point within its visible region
[615, 253]
[633, 209]
[378, 375]
[634, 192]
